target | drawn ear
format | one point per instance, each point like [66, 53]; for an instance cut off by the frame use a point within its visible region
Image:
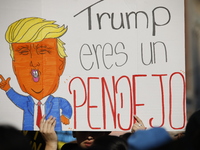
[61, 66]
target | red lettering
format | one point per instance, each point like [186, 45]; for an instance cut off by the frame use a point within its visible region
[184, 100]
[163, 100]
[122, 99]
[89, 106]
[113, 106]
[135, 93]
[121, 96]
[75, 100]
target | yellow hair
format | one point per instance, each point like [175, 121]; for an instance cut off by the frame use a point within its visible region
[35, 29]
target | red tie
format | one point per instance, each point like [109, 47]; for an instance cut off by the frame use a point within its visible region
[39, 114]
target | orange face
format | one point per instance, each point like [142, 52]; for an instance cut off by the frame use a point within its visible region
[38, 67]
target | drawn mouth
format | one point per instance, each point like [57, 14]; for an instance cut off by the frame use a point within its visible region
[37, 92]
[35, 75]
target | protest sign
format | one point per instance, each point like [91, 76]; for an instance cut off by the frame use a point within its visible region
[124, 58]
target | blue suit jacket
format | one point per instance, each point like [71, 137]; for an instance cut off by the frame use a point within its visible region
[53, 106]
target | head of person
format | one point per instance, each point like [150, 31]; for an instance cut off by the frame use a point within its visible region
[150, 139]
[38, 55]
[126, 135]
[11, 138]
[192, 131]
[86, 138]
[109, 143]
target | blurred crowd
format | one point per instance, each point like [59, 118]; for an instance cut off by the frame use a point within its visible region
[139, 138]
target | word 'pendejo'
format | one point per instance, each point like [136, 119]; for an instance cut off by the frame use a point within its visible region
[111, 99]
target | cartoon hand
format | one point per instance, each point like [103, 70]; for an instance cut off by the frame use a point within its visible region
[139, 125]
[64, 119]
[4, 84]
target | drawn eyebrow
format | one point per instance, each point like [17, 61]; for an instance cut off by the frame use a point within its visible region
[22, 47]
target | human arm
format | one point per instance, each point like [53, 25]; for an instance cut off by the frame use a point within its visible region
[4, 84]
[139, 125]
[48, 132]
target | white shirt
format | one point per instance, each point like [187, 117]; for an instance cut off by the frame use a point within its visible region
[43, 101]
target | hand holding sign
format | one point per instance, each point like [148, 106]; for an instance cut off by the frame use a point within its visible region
[48, 132]
[4, 84]
[139, 125]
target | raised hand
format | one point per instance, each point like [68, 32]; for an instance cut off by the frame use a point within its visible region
[4, 84]
[48, 132]
[139, 125]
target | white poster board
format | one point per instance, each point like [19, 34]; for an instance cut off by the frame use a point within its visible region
[125, 58]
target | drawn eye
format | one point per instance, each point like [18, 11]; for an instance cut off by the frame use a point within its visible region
[23, 51]
[43, 51]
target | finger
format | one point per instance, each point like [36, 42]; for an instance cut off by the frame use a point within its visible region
[134, 128]
[138, 120]
[8, 80]
[2, 78]
[42, 123]
[46, 124]
[49, 123]
[53, 120]
[4, 82]
[53, 124]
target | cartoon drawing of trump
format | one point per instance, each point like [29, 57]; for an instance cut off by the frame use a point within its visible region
[38, 60]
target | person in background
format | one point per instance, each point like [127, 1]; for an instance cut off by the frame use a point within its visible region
[109, 142]
[158, 139]
[148, 139]
[84, 139]
[192, 131]
[190, 139]
[11, 138]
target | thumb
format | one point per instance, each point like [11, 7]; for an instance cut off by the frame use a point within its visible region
[8, 80]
